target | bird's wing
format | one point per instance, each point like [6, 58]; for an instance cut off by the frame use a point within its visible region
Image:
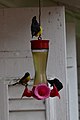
[57, 83]
[35, 28]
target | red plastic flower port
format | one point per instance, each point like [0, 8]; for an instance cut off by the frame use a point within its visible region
[54, 92]
[41, 91]
[27, 93]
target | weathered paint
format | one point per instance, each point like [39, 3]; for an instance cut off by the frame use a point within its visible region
[16, 57]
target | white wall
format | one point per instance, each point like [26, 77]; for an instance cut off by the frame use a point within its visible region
[16, 57]
[78, 68]
[4, 106]
[72, 72]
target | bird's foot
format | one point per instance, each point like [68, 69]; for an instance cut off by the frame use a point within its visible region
[39, 38]
[26, 85]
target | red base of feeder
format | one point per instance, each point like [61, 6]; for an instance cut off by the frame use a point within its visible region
[40, 92]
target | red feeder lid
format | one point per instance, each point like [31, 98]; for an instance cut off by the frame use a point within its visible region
[39, 44]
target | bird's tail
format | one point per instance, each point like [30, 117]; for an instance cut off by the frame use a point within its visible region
[15, 83]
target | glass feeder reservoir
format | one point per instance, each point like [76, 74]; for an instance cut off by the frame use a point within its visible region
[40, 54]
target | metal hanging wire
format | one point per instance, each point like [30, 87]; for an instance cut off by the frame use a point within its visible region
[40, 38]
[39, 12]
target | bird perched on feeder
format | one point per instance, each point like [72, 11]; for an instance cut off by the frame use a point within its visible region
[24, 80]
[36, 29]
[56, 82]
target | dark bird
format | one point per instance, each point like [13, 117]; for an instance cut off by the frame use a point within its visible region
[36, 29]
[56, 82]
[24, 80]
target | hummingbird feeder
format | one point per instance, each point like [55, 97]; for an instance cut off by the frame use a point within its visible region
[40, 89]
[40, 50]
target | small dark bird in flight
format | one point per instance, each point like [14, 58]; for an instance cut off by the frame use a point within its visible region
[56, 82]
